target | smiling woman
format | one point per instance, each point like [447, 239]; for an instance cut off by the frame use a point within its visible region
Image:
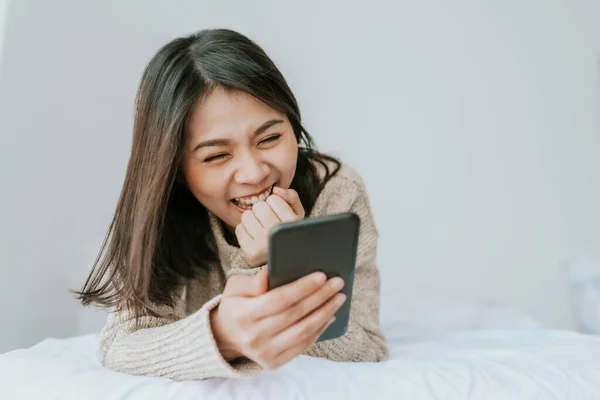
[244, 148]
[219, 157]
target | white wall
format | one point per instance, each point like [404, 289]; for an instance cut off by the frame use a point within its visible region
[588, 12]
[474, 124]
[3, 13]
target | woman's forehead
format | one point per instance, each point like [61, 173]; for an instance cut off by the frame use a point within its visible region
[229, 114]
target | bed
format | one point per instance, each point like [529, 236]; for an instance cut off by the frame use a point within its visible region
[461, 364]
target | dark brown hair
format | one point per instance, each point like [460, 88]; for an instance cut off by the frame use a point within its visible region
[160, 234]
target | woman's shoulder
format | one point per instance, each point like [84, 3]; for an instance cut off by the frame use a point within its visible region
[341, 191]
[349, 175]
[344, 174]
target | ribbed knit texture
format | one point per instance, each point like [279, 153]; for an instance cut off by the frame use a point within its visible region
[182, 347]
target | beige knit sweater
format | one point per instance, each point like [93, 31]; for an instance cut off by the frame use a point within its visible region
[182, 346]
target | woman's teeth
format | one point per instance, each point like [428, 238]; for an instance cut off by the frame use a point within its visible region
[247, 202]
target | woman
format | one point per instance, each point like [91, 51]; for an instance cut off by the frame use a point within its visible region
[219, 157]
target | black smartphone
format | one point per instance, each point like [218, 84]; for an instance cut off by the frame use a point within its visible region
[327, 244]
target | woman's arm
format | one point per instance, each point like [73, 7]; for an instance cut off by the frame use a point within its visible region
[180, 349]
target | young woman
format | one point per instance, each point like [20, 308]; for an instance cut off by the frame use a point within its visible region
[219, 157]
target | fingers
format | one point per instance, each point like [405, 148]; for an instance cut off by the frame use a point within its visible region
[283, 210]
[304, 329]
[297, 339]
[285, 206]
[283, 297]
[289, 354]
[291, 197]
[260, 218]
[252, 225]
[265, 215]
[307, 307]
[243, 237]
[277, 323]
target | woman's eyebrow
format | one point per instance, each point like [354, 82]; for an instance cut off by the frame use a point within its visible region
[267, 125]
[223, 142]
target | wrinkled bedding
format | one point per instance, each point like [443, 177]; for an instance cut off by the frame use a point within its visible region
[483, 364]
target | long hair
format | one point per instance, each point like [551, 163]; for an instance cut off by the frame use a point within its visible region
[160, 234]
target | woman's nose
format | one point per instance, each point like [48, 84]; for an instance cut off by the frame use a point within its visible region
[251, 170]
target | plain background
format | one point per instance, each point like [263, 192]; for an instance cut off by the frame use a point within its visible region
[475, 125]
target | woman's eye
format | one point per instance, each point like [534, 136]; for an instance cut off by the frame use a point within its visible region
[215, 158]
[270, 139]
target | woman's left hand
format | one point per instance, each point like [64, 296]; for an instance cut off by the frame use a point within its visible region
[283, 205]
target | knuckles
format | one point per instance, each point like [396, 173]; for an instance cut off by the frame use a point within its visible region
[247, 215]
[249, 341]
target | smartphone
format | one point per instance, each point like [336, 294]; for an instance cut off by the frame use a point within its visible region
[327, 244]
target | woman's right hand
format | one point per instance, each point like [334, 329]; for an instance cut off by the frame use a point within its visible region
[273, 327]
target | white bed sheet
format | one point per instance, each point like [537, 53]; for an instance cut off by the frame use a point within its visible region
[492, 364]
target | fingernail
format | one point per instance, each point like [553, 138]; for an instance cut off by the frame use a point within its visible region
[340, 299]
[337, 283]
[278, 190]
[319, 277]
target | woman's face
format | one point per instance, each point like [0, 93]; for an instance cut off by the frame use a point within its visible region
[237, 147]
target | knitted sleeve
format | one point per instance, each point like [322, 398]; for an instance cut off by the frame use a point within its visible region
[181, 349]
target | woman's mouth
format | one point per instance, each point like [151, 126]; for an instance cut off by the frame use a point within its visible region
[246, 203]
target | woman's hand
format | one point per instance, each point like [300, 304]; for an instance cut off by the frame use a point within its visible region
[273, 327]
[253, 232]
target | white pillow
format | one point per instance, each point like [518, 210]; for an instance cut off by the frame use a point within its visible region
[431, 316]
